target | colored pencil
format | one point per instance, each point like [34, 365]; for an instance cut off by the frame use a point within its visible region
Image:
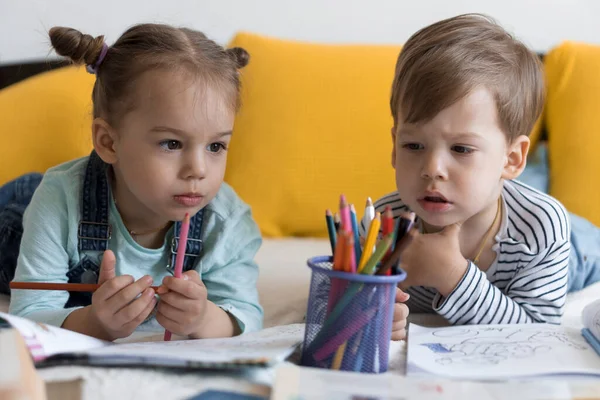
[382, 247]
[339, 356]
[69, 287]
[331, 230]
[181, 248]
[357, 249]
[387, 227]
[347, 224]
[370, 242]
[369, 214]
[403, 239]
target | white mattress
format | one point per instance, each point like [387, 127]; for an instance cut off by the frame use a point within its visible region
[283, 287]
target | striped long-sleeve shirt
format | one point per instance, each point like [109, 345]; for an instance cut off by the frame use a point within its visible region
[527, 282]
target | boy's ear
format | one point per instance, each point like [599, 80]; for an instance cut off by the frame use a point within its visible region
[516, 158]
[394, 146]
[104, 139]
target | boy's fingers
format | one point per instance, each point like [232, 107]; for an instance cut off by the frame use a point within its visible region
[400, 311]
[399, 335]
[398, 326]
[401, 296]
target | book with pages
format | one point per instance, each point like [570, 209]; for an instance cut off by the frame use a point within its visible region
[507, 351]
[51, 346]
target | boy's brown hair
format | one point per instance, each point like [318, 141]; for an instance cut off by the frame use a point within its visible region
[442, 63]
[144, 47]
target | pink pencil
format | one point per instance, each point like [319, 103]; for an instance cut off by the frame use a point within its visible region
[181, 247]
[347, 226]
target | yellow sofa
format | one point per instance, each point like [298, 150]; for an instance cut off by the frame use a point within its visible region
[314, 123]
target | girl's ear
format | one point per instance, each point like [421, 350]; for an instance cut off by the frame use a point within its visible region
[104, 139]
[516, 158]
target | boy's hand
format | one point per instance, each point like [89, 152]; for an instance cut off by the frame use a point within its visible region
[400, 315]
[116, 309]
[434, 260]
[183, 304]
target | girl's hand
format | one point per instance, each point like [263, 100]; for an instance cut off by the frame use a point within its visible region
[434, 260]
[400, 315]
[183, 304]
[121, 304]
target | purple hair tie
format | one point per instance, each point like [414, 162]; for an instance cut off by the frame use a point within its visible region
[93, 69]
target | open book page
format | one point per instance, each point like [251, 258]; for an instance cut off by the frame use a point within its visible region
[297, 383]
[269, 345]
[46, 340]
[499, 351]
[591, 318]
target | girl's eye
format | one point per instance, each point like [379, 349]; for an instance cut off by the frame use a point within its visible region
[216, 147]
[413, 146]
[462, 149]
[170, 144]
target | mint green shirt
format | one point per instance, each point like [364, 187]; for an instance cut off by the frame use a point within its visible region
[49, 249]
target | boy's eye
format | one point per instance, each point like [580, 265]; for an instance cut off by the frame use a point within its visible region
[216, 147]
[462, 149]
[413, 146]
[170, 144]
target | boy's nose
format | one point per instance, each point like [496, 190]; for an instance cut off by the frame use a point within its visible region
[433, 168]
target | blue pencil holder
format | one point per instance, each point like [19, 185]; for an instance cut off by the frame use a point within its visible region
[349, 319]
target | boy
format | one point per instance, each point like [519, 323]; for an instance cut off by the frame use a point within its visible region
[465, 97]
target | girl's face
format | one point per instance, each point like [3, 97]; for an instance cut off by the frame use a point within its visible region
[170, 151]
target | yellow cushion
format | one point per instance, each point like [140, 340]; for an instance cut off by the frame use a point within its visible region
[314, 123]
[573, 123]
[45, 120]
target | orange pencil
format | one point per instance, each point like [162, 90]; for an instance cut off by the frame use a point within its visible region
[350, 263]
[69, 287]
[339, 252]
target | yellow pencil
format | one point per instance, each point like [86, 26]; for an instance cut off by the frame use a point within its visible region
[370, 241]
[339, 356]
[382, 247]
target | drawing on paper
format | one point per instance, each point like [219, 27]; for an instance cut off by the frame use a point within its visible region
[494, 345]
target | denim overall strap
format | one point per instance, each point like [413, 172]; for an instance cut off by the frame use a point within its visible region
[194, 243]
[94, 230]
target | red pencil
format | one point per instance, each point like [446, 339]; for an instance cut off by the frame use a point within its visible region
[387, 227]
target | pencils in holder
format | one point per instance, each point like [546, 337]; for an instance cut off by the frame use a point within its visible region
[181, 248]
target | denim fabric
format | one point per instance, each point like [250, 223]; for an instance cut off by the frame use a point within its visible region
[14, 198]
[94, 230]
[584, 260]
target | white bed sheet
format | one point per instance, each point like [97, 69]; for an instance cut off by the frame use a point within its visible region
[283, 287]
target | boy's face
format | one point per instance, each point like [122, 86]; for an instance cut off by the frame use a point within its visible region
[452, 167]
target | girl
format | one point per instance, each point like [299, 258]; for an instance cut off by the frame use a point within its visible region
[164, 103]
